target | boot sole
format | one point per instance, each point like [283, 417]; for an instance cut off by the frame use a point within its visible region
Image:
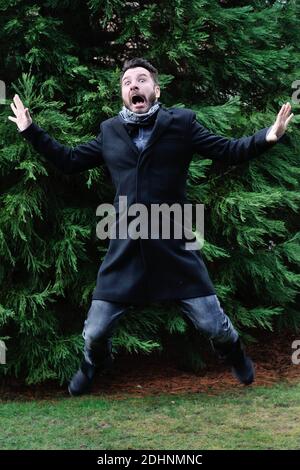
[78, 394]
[248, 381]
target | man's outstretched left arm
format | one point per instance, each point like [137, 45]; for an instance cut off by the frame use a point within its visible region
[235, 151]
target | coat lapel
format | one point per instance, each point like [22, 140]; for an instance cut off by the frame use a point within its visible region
[120, 128]
[162, 122]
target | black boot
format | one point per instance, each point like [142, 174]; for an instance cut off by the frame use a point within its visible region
[82, 381]
[234, 355]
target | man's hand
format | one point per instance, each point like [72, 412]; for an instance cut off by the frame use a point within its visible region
[22, 119]
[279, 127]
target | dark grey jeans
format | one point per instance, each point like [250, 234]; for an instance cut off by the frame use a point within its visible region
[205, 313]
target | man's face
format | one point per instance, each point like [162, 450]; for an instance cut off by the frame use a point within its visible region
[139, 91]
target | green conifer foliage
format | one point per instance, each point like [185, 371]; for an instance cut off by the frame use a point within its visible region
[233, 63]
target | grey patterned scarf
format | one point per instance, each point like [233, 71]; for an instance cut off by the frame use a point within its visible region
[136, 118]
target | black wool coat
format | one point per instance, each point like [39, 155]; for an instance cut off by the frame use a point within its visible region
[141, 270]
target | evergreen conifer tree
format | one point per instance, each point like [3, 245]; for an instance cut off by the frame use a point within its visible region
[233, 63]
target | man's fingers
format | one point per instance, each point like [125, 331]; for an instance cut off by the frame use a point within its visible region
[12, 119]
[288, 119]
[14, 109]
[281, 110]
[288, 108]
[18, 103]
[288, 111]
[280, 113]
[284, 112]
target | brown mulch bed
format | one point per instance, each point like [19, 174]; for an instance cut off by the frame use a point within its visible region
[138, 376]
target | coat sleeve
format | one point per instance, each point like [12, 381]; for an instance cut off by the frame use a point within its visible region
[68, 160]
[230, 151]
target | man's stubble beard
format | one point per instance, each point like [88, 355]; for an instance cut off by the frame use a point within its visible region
[152, 100]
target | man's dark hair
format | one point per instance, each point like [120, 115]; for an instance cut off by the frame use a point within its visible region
[139, 62]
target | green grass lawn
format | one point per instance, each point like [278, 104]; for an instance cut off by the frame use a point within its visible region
[248, 418]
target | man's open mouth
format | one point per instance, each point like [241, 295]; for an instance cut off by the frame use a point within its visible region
[137, 99]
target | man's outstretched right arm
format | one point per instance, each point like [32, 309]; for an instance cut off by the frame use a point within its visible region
[68, 160]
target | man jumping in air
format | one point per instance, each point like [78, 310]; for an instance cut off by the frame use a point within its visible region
[147, 149]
